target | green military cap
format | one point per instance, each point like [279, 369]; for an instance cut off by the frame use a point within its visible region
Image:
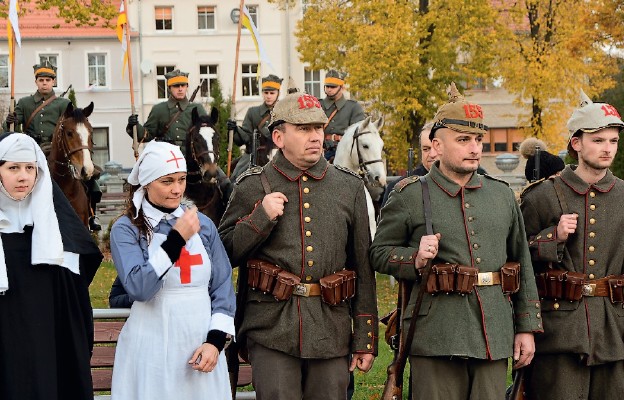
[297, 108]
[334, 78]
[176, 77]
[45, 69]
[591, 117]
[271, 82]
[459, 115]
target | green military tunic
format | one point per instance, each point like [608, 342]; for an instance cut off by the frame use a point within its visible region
[592, 327]
[324, 229]
[252, 120]
[349, 112]
[160, 116]
[481, 226]
[42, 126]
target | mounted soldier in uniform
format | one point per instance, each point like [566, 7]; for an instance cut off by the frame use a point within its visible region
[37, 116]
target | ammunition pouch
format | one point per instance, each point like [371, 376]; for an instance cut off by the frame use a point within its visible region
[338, 287]
[461, 279]
[616, 289]
[560, 285]
[510, 277]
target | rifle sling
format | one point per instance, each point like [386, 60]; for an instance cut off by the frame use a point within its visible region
[32, 116]
[559, 193]
[331, 116]
[171, 121]
[263, 121]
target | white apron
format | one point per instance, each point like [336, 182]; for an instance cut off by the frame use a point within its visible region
[161, 335]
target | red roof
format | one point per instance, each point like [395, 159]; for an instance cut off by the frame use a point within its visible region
[38, 24]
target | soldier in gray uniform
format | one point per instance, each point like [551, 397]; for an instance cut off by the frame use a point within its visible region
[37, 115]
[256, 119]
[477, 310]
[574, 224]
[300, 332]
[341, 113]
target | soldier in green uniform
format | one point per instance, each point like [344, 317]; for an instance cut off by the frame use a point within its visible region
[37, 115]
[341, 112]
[462, 341]
[256, 119]
[170, 120]
[574, 224]
[278, 217]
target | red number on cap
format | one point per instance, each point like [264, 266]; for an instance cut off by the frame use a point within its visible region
[609, 110]
[308, 101]
[473, 111]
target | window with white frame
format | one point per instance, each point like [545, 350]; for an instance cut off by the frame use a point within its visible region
[97, 69]
[313, 82]
[250, 80]
[161, 81]
[101, 154]
[208, 77]
[4, 71]
[164, 18]
[53, 59]
[253, 13]
[206, 18]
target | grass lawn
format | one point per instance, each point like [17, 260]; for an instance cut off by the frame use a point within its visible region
[368, 386]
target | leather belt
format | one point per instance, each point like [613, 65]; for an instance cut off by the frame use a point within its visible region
[597, 287]
[488, 279]
[307, 289]
[333, 136]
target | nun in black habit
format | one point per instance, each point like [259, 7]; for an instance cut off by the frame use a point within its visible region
[47, 261]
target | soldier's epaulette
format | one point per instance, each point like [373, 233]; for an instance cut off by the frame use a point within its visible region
[249, 172]
[406, 181]
[531, 186]
[495, 179]
[347, 170]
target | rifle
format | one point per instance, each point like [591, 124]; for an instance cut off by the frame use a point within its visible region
[255, 138]
[195, 91]
[67, 90]
[536, 169]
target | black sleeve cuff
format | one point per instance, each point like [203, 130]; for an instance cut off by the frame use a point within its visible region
[217, 339]
[173, 245]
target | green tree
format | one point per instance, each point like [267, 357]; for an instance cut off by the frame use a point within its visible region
[400, 55]
[79, 12]
[72, 97]
[225, 110]
[549, 51]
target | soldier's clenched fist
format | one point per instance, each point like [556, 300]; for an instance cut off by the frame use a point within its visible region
[566, 226]
[273, 204]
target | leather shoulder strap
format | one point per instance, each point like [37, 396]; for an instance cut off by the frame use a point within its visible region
[331, 116]
[32, 116]
[171, 121]
[264, 120]
[265, 182]
[559, 192]
[426, 204]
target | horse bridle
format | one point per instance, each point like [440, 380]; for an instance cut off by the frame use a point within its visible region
[363, 170]
[67, 152]
[196, 157]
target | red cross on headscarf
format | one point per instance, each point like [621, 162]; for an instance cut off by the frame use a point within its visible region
[175, 159]
[185, 262]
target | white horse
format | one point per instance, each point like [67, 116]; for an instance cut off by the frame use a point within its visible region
[360, 149]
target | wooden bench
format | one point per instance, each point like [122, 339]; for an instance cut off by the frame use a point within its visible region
[107, 326]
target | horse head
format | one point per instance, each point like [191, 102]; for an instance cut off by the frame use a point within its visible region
[72, 142]
[360, 150]
[202, 145]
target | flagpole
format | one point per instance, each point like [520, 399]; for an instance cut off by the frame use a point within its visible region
[233, 110]
[11, 127]
[135, 139]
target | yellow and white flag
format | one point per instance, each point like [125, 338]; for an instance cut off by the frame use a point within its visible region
[13, 28]
[248, 23]
[122, 24]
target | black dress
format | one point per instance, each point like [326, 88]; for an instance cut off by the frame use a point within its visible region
[46, 320]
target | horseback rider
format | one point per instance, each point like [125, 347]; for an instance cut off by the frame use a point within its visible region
[340, 111]
[257, 118]
[169, 121]
[37, 116]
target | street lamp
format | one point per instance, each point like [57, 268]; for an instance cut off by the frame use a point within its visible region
[235, 15]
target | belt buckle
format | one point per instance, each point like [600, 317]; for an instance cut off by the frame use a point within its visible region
[588, 289]
[301, 289]
[485, 279]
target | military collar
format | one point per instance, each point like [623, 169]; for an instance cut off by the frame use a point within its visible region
[327, 102]
[570, 178]
[285, 167]
[171, 102]
[38, 96]
[450, 186]
[264, 108]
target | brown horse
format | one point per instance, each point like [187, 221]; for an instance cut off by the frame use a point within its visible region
[206, 185]
[70, 157]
